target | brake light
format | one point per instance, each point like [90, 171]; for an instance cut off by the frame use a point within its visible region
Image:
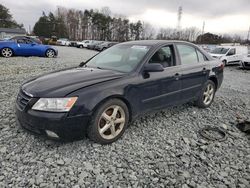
[221, 67]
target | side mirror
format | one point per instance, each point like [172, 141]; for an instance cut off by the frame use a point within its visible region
[153, 67]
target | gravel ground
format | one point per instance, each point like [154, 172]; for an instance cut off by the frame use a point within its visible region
[161, 149]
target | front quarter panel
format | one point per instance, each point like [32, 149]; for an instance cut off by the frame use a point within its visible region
[90, 97]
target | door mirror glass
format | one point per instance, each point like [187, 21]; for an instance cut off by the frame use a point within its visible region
[153, 67]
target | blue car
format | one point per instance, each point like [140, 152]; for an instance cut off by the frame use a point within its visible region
[26, 47]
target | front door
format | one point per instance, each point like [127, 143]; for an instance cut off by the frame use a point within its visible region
[160, 89]
[231, 55]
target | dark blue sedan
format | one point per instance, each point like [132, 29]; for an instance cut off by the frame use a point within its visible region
[103, 95]
[26, 47]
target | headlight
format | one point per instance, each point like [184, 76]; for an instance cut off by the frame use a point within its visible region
[55, 104]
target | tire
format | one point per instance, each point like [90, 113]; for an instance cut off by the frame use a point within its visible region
[207, 95]
[7, 52]
[81, 46]
[225, 62]
[50, 53]
[104, 117]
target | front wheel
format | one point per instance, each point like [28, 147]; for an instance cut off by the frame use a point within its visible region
[109, 122]
[50, 53]
[207, 95]
[7, 52]
[225, 62]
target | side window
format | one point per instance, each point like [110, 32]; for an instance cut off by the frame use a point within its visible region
[20, 41]
[28, 41]
[231, 52]
[164, 56]
[188, 54]
[201, 57]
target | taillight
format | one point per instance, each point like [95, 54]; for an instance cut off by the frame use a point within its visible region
[221, 67]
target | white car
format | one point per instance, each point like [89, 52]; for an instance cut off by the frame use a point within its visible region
[63, 42]
[84, 43]
[229, 54]
[245, 63]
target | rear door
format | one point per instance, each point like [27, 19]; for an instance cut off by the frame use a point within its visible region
[194, 72]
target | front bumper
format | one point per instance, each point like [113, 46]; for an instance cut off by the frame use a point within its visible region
[65, 127]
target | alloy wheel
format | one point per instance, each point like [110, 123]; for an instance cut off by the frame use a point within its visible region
[208, 94]
[50, 53]
[111, 122]
[7, 52]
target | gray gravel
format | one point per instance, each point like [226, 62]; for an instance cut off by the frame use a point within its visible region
[161, 149]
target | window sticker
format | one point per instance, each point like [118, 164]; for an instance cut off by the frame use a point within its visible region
[139, 47]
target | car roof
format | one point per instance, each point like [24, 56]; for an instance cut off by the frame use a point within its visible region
[154, 42]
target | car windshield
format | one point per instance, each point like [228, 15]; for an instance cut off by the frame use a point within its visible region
[122, 58]
[220, 51]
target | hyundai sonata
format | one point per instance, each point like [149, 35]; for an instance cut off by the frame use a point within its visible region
[101, 96]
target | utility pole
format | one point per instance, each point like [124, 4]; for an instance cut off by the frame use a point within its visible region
[202, 31]
[179, 18]
[179, 22]
[248, 35]
[29, 29]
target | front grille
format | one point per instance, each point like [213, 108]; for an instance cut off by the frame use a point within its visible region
[22, 100]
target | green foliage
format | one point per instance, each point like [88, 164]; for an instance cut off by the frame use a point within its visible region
[50, 25]
[87, 24]
[209, 38]
[6, 20]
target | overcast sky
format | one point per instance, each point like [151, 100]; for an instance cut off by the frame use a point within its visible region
[220, 16]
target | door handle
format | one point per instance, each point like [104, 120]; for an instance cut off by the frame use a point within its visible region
[177, 76]
[204, 70]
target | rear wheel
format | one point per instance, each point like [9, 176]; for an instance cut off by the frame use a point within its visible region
[7, 52]
[109, 122]
[207, 95]
[50, 53]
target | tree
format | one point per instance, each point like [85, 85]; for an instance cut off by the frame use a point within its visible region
[148, 31]
[50, 25]
[208, 38]
[6, 20]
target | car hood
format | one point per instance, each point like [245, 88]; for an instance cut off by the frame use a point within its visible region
[216, 55]
[61, 83]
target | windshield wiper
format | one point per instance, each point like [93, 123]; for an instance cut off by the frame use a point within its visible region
[82, 64]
